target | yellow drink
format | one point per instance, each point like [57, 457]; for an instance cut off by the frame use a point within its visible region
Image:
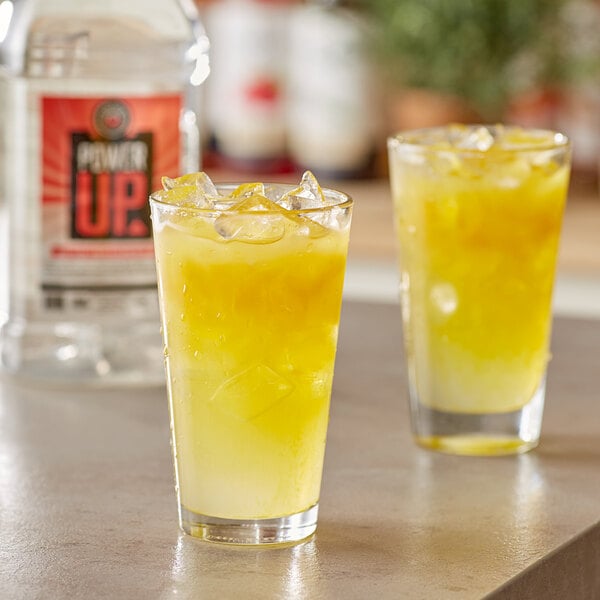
[250, 327]
[478, 237]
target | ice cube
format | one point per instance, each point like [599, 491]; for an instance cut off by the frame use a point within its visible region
[413, 157]
[251, 228]
[546, 163]
[407, 154]
[307, 195]
[194, 190]
[254, 219]
[480, 139]
[258, 220]
[309, 225]
[311, 189]
[317, 224]
[444, 299]
[184, 196]
[291, 201]
[513, 173]
[248, 190]
[446, 163]
[265, 386]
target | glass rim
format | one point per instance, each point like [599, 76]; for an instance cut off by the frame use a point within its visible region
[423, 140]
[344, 200]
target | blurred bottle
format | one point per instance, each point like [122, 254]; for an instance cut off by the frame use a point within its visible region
[100, 101]
[332, 96]
[245, 95]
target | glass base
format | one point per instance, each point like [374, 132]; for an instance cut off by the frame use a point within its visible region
[281, 530]
[491, 434]
[476, 445]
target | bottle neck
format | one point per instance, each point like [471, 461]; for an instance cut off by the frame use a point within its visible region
[88, 38]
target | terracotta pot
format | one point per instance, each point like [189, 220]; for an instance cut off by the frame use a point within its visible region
[540, 107]
[416, 108]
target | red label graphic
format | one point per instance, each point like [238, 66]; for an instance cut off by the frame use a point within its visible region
[102, 157]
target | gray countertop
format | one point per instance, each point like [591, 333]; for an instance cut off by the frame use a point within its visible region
[88, 510]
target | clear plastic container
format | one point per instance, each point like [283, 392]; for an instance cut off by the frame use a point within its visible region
[100, 99]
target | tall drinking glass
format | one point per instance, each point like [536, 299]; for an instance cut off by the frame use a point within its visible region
[478, 214]
[250, 296]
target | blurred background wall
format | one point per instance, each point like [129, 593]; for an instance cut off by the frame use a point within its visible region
[319, 84]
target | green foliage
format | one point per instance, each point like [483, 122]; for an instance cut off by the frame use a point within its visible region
[468, 48]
